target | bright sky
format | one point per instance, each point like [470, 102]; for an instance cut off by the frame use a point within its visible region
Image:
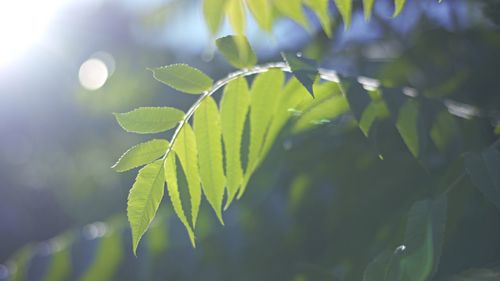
[22, 25]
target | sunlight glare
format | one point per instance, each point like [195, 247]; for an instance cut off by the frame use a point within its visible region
[22, 24]
[93, 74]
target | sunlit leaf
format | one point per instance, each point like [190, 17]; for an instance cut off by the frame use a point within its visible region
[237, 51]
[149, 120]
[207, 129]
[407, 125]
[262, 12]
[183, 77]
[368, 8]
[187, 151]
[235, 10]
[320, 8]
[60, 263]
[292, 9]
[234, 107]
[345, 10]
[141, 154]
[170, 169]
[303, 69]
[322, 113]
[484, 170]
[106, 260]
[144, 199]
[398, 6]
[263, 96]
[213, 14]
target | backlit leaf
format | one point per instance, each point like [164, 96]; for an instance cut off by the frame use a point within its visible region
[237, 51]
[170, 169]
[368, 8]
[207, 129]
[213, 14]
[234, 107]
[345, 10]
[292, 9]
[262, 12]
[235, 10]
[263, 96]
[320, 8]
[187, 151]
[183, 77]
[144, 199]
[398, 7]
[141, 154]
[149, 120]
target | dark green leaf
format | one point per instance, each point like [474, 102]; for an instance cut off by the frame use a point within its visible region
[303, 69]
[484, 170]
[357, 97]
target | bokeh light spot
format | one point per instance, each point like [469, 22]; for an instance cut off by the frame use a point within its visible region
[93, 74]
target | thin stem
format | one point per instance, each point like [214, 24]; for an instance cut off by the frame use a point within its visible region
[454, 184]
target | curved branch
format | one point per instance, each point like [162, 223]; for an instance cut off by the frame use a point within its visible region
[458, 109]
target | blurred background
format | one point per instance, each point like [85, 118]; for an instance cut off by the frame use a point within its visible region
[323, 204]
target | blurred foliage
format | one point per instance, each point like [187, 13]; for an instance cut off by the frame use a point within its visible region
[322, 206]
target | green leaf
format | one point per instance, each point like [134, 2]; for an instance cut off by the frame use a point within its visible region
[293, 10]
[141, 154]
[345, 10]
[187, 151]
[445, 130]
[262, 12]
[398, 7]
[60, 265]
[357, 97]
[183, 77]
[320, 8]
[235, 11]
[107, 259]
[368, 8]
[407, 125]
[385, 267]
[144, 199]
[213, 14]
[149, 120]
[497, 129]
[289, 98]
[484, 170]
[329, 109]
[234, 107]
[207, 129]
[423, 239]
[375, 110]
[263, 96]
[170, 169]
[237, 51]
[303, 69]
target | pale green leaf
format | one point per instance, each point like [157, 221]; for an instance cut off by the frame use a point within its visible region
[484, 170]
[207, 129]
[213, 14]
[234, 107]
[235, 10]
[106, 260]
[183, 77]
[263, 97]
[141, 154]
[144, 199]
[60, 263]
[292, 9]
[328, 110]
[237, 51]
[262, 12]
[289, 98]
[398, 7]
[320, 8]
[187, 151]
[345, 10]
[170, 169]
[368, 8]
[149, 120]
